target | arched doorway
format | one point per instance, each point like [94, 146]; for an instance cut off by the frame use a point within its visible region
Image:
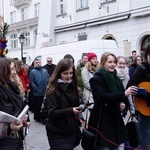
[109, 37]
[144, 44]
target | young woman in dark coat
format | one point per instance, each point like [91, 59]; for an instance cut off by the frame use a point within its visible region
[11, 102]
[108, 94]
[62, 103]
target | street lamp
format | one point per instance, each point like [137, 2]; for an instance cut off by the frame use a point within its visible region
[21, 39]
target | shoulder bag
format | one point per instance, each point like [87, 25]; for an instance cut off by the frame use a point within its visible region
[89, 139]
[132, 131]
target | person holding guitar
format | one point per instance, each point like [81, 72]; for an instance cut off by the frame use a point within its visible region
[141, 79]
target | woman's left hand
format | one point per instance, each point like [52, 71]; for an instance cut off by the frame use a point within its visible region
[122, 106]
[76, 110]
[25, 119]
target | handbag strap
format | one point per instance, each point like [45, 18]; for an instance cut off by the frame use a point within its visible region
[132, 116]
[99, 118]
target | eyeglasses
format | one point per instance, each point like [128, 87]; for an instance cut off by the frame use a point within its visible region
[49, 61]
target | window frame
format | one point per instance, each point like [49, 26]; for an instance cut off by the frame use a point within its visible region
[36, 9]
[27, 38]
[14, 41]
[12, 17]
[35, 36]
[82, 4]
[24, 13]
[62, 7]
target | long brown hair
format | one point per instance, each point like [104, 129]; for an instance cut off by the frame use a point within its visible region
[5, 71]
[17, 80]
[18, 65]
[63, 65]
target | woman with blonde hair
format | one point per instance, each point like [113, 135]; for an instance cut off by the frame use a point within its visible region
[86, 74]
[108, 92]
[15, 78]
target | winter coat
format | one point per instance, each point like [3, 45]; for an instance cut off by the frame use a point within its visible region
[50, 68]
[86, 76]
[141, 74]
[11, 103]
[107, 105]
[132, 68]
[24, 79]
[39, 79]
[61, 119]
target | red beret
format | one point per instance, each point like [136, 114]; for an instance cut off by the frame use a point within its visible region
[91, 55]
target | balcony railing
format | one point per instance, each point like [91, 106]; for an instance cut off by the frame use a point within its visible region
[18, 3]
[23, 24]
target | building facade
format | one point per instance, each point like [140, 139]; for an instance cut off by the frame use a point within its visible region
[22, 17]
[64, 21]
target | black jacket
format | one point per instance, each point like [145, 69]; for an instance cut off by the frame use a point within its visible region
[141, 74]
[50, 68]
[61, 119]
[107, 105]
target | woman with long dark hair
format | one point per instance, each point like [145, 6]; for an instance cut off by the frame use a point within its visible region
[11, 102]
[62, 103]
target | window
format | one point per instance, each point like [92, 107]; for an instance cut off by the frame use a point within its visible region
[35, 36]
[14, 41]
[83, 3]
[37, 9]
[62, 7]
[13, 17]
[27, 39]
[24, 13]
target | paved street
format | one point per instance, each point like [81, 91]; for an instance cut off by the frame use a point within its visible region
[36, 138]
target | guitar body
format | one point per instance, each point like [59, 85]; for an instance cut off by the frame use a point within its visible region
[141, 105]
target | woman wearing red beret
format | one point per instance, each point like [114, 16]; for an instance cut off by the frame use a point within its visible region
[87, 74]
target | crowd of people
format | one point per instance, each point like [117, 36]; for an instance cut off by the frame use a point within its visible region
[106, 87]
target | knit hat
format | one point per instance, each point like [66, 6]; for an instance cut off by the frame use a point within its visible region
[91, 55]
[147, 51]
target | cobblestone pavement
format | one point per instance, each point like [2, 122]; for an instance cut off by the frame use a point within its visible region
[36, 138]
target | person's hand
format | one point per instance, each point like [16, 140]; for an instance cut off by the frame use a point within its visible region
[76, 110]
[27, 124]
[131, 90]
[16, 127]
[122, 106]
[25, 119]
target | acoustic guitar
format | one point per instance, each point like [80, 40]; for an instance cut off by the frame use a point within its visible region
[141, 104]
